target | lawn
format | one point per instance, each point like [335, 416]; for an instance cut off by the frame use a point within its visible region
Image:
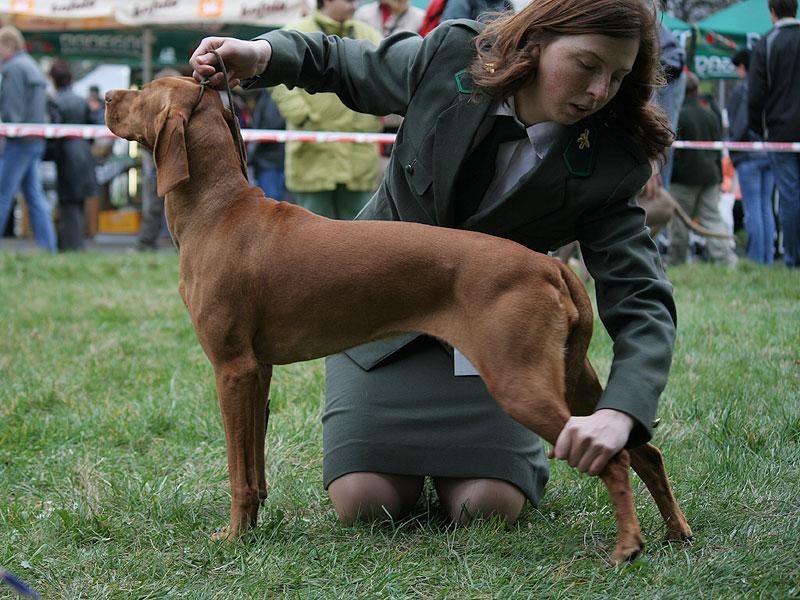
[113, 477]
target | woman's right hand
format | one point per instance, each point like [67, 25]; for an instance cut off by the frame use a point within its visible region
[243, 59]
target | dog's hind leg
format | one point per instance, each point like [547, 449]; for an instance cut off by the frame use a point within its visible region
[242, 398]
[535, 397]
[649, 466]
[545, 376]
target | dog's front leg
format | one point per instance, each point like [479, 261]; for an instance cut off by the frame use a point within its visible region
[262, 422]
[242, 398]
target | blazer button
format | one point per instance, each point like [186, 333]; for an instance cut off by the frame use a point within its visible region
[410, 168]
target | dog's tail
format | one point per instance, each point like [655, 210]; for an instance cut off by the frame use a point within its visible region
[698, 229]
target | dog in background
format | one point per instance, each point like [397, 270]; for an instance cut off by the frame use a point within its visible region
[660, 208]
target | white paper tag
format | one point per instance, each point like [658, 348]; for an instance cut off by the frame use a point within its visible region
[461, 364]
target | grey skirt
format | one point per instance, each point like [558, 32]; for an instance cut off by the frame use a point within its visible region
[412, 416]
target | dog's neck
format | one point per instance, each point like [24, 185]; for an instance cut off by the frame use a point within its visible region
[215, 176]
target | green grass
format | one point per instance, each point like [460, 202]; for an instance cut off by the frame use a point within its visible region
[112, 460]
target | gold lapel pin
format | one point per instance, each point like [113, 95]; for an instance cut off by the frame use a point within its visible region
[583, 140]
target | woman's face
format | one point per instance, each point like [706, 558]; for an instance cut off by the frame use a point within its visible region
[577, 76]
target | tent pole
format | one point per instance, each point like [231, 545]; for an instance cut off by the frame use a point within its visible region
[147, 55]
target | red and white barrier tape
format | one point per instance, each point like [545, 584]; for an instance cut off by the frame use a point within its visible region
[275, 135]
[746, 146]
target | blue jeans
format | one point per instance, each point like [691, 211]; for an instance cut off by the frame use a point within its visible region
[670, 98]
[786, 169]
[20, 170]
[271, 181]
[757, 183]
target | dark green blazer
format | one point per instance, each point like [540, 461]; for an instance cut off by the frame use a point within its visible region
[578, 193]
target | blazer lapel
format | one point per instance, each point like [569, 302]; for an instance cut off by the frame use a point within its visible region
[537, 194]
[454, 134]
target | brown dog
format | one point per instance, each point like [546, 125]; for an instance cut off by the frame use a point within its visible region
[270, 283]
[661, 207]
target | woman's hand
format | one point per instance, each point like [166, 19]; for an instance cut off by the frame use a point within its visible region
[243, 59]
[587, 443]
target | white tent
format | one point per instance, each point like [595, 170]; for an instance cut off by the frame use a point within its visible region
[162, 12]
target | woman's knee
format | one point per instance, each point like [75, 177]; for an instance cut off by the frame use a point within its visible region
[366, 496]
[465, 499]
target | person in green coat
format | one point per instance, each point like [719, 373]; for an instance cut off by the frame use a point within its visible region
[335, 179]
[576, 78]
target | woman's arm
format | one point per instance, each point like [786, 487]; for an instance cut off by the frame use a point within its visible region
[367, 78]
[635, 303]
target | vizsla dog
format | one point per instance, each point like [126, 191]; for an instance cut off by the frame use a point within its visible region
[661, 207]
[269, 283]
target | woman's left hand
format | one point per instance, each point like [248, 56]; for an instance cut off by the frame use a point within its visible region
[587, 443]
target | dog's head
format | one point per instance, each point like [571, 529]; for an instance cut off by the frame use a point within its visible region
[157, 117]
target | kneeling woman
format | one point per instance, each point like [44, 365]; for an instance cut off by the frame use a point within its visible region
[537, 127]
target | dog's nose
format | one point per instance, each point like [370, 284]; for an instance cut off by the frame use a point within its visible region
[109, 96]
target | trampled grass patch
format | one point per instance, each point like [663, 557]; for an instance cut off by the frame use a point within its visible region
[113, 477]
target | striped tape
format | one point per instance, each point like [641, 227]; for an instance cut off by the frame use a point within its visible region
[278, 135]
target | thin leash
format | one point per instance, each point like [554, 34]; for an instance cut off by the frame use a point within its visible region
[235, 129]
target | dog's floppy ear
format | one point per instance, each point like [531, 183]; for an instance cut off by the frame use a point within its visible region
[169, 151]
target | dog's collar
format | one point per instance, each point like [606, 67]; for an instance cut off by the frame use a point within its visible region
[235, 130]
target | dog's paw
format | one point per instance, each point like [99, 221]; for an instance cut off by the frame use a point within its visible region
[226, 534]
[682, 535]
[626, 552]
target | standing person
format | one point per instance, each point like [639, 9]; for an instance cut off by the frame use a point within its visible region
[97, 106]
[537, 127]
[152, 204]
[696, 177]
[388, 16]
[754, 172]
[23, 99]
[75, 175]
[333, 179]
[774, 113]
[670, 97]
[473, 9]
[268, 157]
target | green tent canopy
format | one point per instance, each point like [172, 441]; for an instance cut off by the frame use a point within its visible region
[722, 34]
[673, 23]
[743, 22]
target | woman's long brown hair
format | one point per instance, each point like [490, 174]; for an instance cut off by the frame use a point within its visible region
[508, 52]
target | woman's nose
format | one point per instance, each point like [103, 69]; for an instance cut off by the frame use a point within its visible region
[599, 87]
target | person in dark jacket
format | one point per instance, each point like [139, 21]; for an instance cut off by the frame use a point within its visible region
[670, 97]
[566, 126]
[774, 113]
[754, 172]
[473, 9]
[696, 177]
[75, 165]
[23, 99]
[268, 157]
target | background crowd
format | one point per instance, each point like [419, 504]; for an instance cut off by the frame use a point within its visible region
[337, 179]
